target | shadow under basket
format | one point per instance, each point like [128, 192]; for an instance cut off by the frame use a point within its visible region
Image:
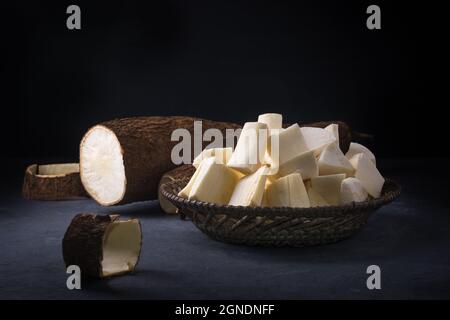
[282, 226]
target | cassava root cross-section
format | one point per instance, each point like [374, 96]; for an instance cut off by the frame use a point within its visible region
[102, 245]
[122, 160]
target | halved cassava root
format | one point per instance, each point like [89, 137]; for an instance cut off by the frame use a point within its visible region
[53, 182]
[102, 245]
[122, 160]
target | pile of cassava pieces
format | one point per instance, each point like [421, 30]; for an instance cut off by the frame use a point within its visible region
[292, 167]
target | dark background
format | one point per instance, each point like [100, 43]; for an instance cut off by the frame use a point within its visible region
[228, 60]
[225, 60]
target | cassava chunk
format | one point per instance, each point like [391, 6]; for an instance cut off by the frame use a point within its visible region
[249, 153]
[249, 190]
[356, 148]
[213, 183]
[102, 245]
[333, 161]
[288, 191]
[352, 191]
[222, 155]
[368, 174]
[305, 163]
[329, 187]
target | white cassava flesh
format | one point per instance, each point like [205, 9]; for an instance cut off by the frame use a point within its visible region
[368, 174]
[352, 191]
[356, 148]
[316, 138]
[121, 247]
[288, 191]
[283, 145]
[272, 120]
[214, 182]
[249, 190]
[305, 163]
[329, 187]
[334, 129]
[222, 155]
[315, 199]
[333, 161]
[103, 171]
[250, 150]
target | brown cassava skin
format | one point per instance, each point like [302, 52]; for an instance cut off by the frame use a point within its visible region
[61, 187]
[146, 146]
[83, 243]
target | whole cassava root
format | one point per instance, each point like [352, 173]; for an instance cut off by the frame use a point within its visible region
[122, 161]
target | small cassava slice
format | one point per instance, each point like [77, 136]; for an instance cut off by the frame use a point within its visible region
[102, 245]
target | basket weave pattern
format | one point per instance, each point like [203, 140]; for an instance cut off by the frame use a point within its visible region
[282, 226]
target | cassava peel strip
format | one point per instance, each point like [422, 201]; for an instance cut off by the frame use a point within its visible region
[102, 245]
[53, 182]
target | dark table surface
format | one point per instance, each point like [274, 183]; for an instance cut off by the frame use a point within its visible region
[409, 239]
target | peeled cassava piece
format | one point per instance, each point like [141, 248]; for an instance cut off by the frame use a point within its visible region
[222, 155]
[250, 150]
[346, 134]
[212, 182]
[333, 161]
[329, 187]
[315, 199]
[53, 182]
[316, 139]
[288, 191]
[356, 148]
[122, 160]
[249, 190]
[283, 145]
[305, 163]
[102, 245]
[352, 191]
[367, 173]
[272, 120]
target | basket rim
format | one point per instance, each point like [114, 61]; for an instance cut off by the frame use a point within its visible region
[387, 196]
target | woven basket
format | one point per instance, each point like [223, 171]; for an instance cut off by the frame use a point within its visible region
[283, 226]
